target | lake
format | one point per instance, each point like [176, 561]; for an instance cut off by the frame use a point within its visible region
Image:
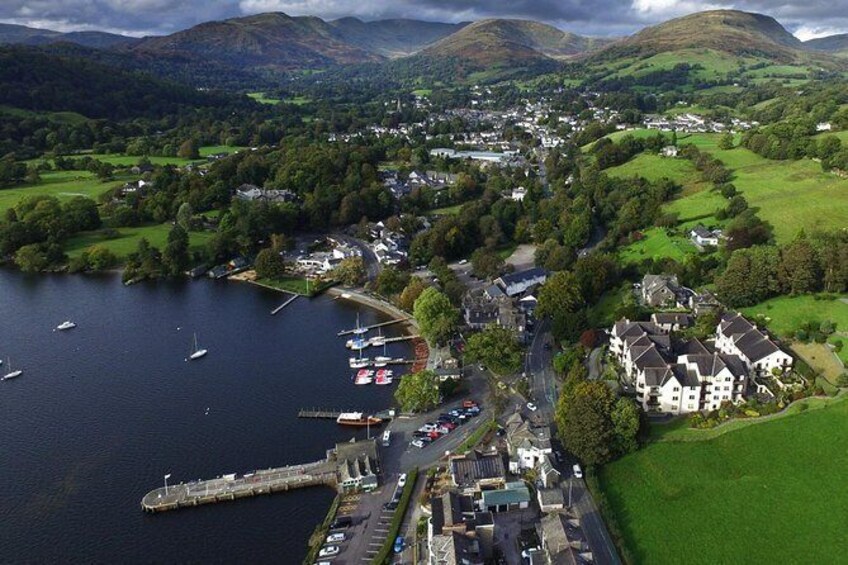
[104, 411]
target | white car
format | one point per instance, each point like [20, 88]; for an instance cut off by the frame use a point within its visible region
[463, 262]
[418, 443]
[402, 480]
[329, 551]
[578, 472]
[532, 407]
[335, 538]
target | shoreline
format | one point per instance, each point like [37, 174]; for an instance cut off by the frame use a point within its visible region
[409, 324]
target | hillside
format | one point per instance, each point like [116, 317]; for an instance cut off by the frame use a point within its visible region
[274, 40]
[40, 81]
[503, 42]
[835, 44]
[11, 34]
[392, 38]
[730, 31]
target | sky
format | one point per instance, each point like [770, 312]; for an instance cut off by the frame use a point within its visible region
[807, 19]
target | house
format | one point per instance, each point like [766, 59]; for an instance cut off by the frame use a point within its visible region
[528, 444]
[476, 471]
[824, 126]
[661, 291]
[453, 513]
[672, 321]
[518, 194]
[513, 496]
[702, 237]
[141, 169]
[515, 284]
[357, 465]
[669, 151]
[548, 475]
[550, 499]
[703, 302]
[559, 536]
[455, 549]
[735, 335]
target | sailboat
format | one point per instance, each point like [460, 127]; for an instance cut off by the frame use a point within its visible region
[359, 330]
[382, 360]
[359, 362]
[12, 374]
[197, 353]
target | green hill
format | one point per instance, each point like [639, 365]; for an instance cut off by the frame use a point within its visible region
[11, 34]
[392, 38]
[834, 44]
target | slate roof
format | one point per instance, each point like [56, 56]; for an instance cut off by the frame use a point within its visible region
[556, 540]
[683, 320]
[523, 276]
[475, 466]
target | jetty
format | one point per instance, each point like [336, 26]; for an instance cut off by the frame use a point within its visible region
[330, 414]
[374, 326]
[230, 487]
[284, 304]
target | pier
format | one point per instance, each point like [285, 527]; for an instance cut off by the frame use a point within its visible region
[374, 326]
[284, 304]
[320, 414]
[229, 487]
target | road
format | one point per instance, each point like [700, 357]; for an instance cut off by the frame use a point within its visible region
[594, 364]
[539, 367]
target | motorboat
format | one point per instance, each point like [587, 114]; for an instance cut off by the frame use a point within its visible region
[357, 419]
[66, 325]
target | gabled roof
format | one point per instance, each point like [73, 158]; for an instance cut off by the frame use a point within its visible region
[523, 276]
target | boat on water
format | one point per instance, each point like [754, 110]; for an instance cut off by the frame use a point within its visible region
[12, 374]
[384, 377]
[359, 330]
[357, 344]
[196, 352]
[357, 419]
[358, 362]
[66, 325]
[363, 380]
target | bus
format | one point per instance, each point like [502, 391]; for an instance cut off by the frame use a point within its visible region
[387, 438]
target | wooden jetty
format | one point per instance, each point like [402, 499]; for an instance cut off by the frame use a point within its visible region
[374, 326]
[230, 487]
[320, 414]
[284, 304]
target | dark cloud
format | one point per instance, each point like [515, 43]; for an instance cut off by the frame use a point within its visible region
[591, 17]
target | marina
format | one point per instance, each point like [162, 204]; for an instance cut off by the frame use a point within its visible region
[358, 330]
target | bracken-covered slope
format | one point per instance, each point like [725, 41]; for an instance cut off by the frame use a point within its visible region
[273, 40]
[501, 42]
[392, 38]
[11, 34]
[834, 44]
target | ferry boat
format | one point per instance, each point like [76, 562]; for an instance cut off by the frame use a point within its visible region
[357, 419]
[67, 325]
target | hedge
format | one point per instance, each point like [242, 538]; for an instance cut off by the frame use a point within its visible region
[383, 557]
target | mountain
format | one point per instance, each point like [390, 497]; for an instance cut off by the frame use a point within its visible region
[11, 34]
[835, 44]
[274, 40]
[728, 31]
[392, 38]
[502, 42]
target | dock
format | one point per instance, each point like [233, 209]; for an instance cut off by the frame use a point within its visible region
[229, 487]
[320, 414]
[374, 326]
[284, 304]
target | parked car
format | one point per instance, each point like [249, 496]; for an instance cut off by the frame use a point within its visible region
[402, 480]
[390, 505]
[434, 435]
[418, 443]
[341, 522]
[335, 538]
[468, 403]
[531, 407]
[329, 551]
[501, 432]
[419, 434]
[578, 472]
[449, 425]
[399, 544]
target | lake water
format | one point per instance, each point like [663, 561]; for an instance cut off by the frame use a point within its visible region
[104, 411]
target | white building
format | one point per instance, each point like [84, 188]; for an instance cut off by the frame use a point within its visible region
[737, 336]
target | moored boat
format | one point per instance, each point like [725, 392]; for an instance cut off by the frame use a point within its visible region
[12, 374]
[197, 353]
[66, 325]
[357, 419]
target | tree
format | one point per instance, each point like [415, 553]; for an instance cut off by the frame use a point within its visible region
[799, 270]
[185, 216]
[626, 422]
[269, 264]
[584, 422]
[486, 263]
[750, 277]
[101, 258]
[496, 348]
[175, 258]
[31, 258]
[418, 392]
[436, 316]
[410, 294]
[726, 141]
[560, 294]
[351, 271]
[188, 150]
[391, 281]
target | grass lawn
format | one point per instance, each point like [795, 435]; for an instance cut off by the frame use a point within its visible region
[653, 168]
[821, 358]
[127, 241]
[506, 251]
[447, 211]
[770, 492]
[423, 92]
[64, 185]
[602, 314]
[296, 285]
[263, 99]
[657, 244]
[785, 314]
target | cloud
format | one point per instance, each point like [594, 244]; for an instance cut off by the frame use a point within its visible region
[810, 18]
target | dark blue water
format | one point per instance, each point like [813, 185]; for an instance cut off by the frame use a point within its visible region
[103, 411]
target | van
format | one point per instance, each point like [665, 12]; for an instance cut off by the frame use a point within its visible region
[578, 472]
[387, 438]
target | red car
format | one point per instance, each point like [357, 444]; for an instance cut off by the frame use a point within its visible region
[469, 404]
[433, 435]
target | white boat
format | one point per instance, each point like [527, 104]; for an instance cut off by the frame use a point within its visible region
[197, 353]
[66, 325]
[12, 374]
[359, 362]
[359, 330]
[357, 344]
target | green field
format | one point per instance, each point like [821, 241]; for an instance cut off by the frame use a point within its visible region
[446, 211]
[128, 239]
[602, 313]
[263, 99]
[771, 492]
[653, 167]
[785, 314]
[61, 184]
[657, 245]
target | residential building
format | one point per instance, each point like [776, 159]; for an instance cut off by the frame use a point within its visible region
[562, 539]
[357, 465]
[672, 321]
[475, 471]
[669, 151]
[455, 549]
[702, 237]
[513, 496]
[528, 444]
[518, 283]
[550, 499]
[661, 291]
[735, 335]
[453, 513]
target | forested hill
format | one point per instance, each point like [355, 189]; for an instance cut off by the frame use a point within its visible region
[39, 81]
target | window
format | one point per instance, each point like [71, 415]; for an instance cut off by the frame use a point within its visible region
[726, 397]
[691, 407]
[691, 397]
[674, 398]
[727, 388]
[675, 389]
